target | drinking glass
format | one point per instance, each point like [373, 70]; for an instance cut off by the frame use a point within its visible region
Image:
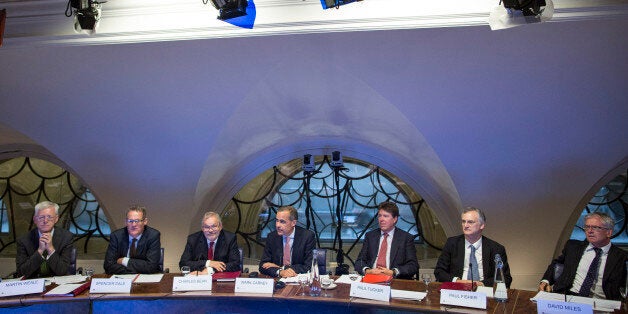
[89, 272]
[427, 278]
[326, 283]
[622, 291]
[185, 270]
[353, 275]
[303, 281]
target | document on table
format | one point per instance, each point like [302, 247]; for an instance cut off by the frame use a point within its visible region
[346, 279]
[149, 278]
[598, 304]
[408, 295]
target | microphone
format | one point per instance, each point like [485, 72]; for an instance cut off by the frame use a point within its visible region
[471, 271]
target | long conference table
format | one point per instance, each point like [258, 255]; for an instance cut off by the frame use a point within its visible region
[159, 298]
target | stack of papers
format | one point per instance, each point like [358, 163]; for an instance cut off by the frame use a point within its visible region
[598, 304]
[346, 279]
[142, 278]
[407, 295]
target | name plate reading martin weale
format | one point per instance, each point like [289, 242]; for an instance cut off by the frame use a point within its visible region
[370, 291]
[559, 307]
[463, 298]
[21, 287]
[254, 285]
[110, 285]
[192, 283]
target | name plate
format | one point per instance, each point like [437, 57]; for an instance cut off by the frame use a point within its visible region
[463, 298]
[22, 287]
[254, 285]
[559, 307]
[370, 291]
[110, 285]
[192, 283]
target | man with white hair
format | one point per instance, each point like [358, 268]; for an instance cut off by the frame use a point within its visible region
[44, 251]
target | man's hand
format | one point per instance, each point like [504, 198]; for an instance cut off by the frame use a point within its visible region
[45, 244]
[544, 286]
[268, 265]
[120, 260]
[217, 265]
[475, 282]
[287, 273]
[379, 271]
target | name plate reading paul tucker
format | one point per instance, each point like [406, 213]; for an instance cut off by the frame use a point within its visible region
[254, 285]
[463, 298]
[21, 287]
[558, 307]
[110, 285]
[192, 283]
[370, 291]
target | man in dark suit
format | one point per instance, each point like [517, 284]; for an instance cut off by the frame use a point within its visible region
[592, 268]
[45, 251]
[388, 250]
[135, 249]
[288, 250]
[453, 263]
[211, 248]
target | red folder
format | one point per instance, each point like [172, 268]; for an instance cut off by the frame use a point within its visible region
[72, 293]
[464, 286]
[226, 276]
[373, 278]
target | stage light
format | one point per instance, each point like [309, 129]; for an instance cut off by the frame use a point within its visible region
[86, 15]
[519, 12]
[228, 9]
[336, 159]
[335, 3]
[308, 163]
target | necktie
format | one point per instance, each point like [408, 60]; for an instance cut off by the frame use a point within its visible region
[587, 284]
[474, 272]
[286, 252]
[43, 267]
[210, 252]
[383, 248]
[133, 250]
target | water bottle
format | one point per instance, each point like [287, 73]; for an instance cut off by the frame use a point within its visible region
[500, 292]
[315, 284]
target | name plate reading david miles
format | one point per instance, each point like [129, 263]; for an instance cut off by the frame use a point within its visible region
[370, 291]
[22, 287]
[559, 307]
[110, 285]
[254, 285]
[192, 283]
[463, 298]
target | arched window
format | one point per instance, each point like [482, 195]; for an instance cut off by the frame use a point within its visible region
[611, 199]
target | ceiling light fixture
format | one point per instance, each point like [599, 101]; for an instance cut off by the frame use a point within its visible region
[335, 3]
[519, 12]
[86, 15]
[228, 9]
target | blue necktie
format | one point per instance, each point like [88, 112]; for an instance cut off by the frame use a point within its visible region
[474, 273]
[587, 284]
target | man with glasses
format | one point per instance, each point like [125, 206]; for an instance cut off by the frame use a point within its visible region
[44, 251]
[288, 249]
[211, 247]
[471, 256]
[134, 249]
[591, 268]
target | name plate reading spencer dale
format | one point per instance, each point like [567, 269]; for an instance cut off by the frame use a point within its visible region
[110, 285]
[463, 298]
[192, 283]
[254, 285]
[559, 307]
[21, 287]
[370, 291]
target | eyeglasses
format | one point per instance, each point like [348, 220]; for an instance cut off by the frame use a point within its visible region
[134, 221]
[594, 228]
[204, 227]
[45, 217]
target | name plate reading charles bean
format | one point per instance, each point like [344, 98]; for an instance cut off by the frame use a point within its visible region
[22, 287]
[463, 298]
[559, 307]
[192, 283]
[370, 291]
[110, 285]
[254, 285]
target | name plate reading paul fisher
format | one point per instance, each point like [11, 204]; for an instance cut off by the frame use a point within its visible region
[463, 298]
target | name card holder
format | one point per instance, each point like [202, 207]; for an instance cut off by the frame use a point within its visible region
[110, 285]
[192, 283]
[370, 291]
[254, 285]
[559, 307]
[463, 298]
[21, 287]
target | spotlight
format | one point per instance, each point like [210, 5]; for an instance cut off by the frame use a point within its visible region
[520, 12]
[229, 9]
[336, 159]
[532, 8]
[86, 15]
[308, 163]
[335, 3]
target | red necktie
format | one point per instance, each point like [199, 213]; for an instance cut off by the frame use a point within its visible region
[210, 252]
[383, 248]
[286, 252]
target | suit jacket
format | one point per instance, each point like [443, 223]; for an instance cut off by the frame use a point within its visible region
[225, 250]
[28, 259]
[402, 253]
[451, 261]
[614, 272]
[148, 250]
[304, 243]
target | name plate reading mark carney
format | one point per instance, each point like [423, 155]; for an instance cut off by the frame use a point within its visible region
[254, 285]
[110, 285]
[21, 287]
[370, 291]
[463, 298]
[559, 307]
[192, 283]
